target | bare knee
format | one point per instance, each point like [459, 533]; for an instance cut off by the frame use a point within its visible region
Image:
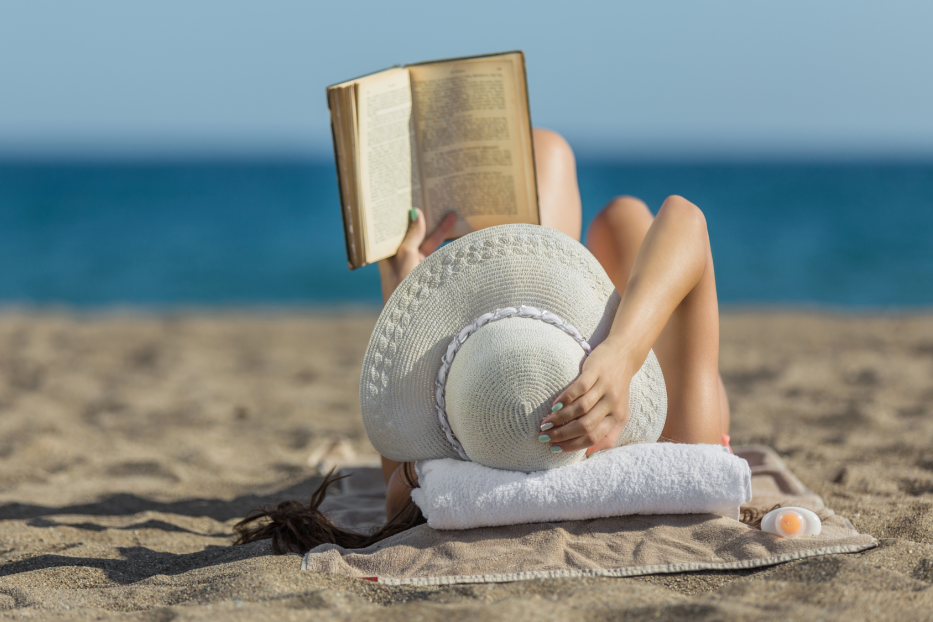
[551, 149]
[685, 212]
[623, 220]
[625, 209]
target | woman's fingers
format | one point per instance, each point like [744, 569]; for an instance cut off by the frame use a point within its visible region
[582, 426]
[414, 237]
[437, 237]
[574, 411]
[604, 419]
[594, 436]
[575, 400]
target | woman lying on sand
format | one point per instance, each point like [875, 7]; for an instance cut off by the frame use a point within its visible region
[662, 268]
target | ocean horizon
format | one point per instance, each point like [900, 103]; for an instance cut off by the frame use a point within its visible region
[267, 233]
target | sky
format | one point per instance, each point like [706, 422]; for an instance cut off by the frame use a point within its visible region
[665, 79]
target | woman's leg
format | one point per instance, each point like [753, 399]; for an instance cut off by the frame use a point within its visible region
[558, 193]
[688, 348]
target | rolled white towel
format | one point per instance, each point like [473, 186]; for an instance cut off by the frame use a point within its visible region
[650, 478]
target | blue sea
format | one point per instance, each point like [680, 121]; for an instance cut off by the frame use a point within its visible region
[269, 233]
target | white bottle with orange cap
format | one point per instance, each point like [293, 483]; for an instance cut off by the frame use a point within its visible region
[791, 522]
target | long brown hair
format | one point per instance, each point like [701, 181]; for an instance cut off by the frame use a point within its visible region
[295, 527]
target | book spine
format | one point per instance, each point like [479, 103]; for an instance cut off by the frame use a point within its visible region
[346, 205]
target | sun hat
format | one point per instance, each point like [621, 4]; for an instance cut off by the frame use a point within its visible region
[473, 346]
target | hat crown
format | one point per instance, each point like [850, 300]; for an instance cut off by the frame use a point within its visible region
[493, 268]
[501, 386]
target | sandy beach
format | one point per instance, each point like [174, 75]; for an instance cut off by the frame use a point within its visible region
[130, 443]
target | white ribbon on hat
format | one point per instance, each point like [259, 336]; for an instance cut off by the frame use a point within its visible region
[440, 385]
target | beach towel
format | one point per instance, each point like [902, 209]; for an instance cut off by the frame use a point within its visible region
[613, 547]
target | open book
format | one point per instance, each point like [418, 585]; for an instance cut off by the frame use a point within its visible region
[444, 136]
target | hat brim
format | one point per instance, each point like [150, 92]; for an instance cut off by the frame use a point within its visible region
[494, 268]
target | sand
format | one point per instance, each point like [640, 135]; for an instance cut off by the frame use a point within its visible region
[131, 443]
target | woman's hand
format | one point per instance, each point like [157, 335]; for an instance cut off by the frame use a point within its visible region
[414, 248]
[593, 410]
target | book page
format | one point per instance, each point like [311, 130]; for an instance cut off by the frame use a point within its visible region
[473, 140]
[385, 160]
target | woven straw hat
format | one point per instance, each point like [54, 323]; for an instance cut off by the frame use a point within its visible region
[477, 341]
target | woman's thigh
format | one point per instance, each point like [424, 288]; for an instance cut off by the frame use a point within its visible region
[558, 192]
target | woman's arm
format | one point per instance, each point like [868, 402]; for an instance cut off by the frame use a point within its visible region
[413, 250]
[671, 261]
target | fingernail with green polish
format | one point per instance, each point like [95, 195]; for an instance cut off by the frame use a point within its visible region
[595, 453]
[557, 407]
[413, 214]
[544, 438]
[546, 426]
[556, 450]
